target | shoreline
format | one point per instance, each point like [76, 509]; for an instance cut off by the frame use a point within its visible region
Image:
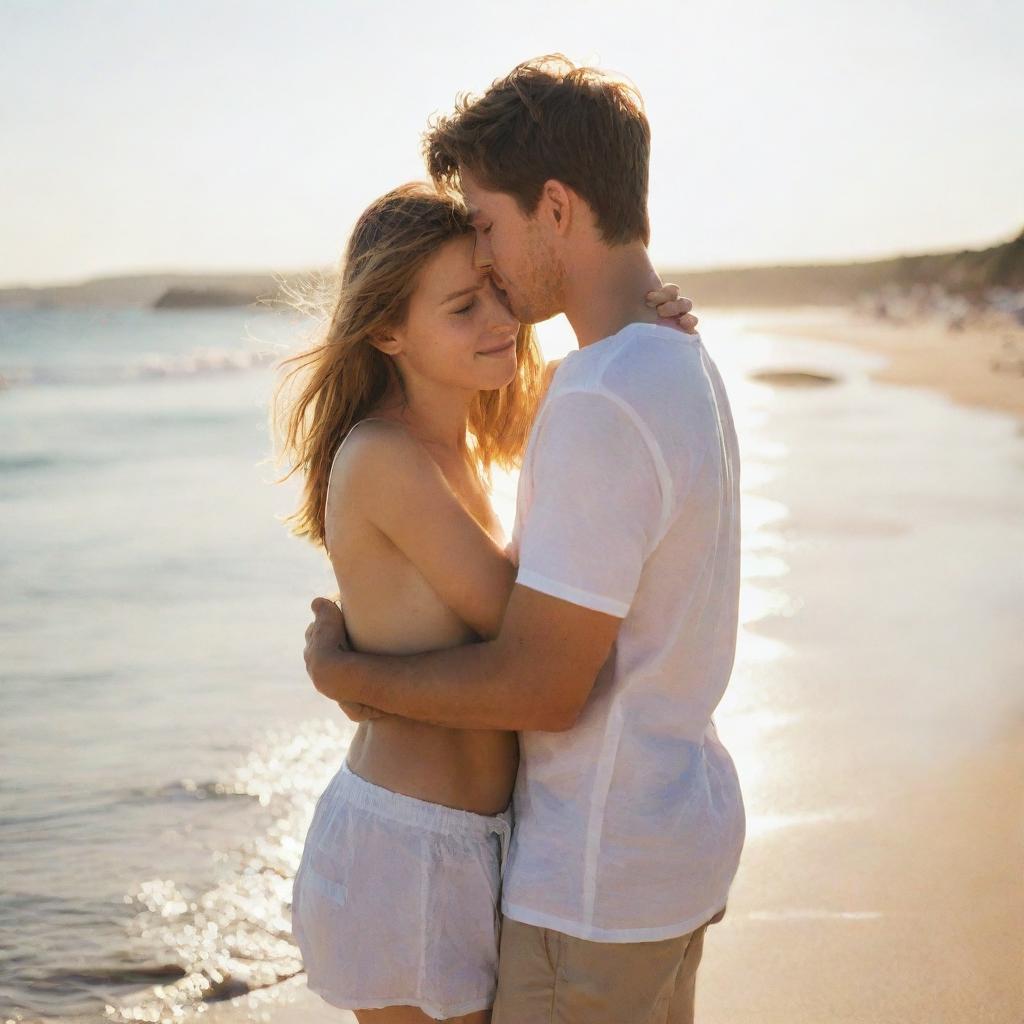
[880, 792]
[980, 366]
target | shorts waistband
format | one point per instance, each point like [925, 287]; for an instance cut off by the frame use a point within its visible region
[422, 814]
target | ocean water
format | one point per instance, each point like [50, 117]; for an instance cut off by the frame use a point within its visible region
[161, 748]
[153, 695]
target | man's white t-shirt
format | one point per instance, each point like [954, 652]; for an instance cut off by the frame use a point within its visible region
[629, 826]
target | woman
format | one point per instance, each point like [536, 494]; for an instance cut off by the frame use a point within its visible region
[395, 902]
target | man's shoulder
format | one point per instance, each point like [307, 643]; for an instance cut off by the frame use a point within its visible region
[652, 349]
[656, 375]
[654, 368]
[638, 351]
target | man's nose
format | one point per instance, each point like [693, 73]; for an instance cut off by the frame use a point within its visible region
[482, 256]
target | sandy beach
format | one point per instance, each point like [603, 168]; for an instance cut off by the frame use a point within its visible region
[875, 713]
[981, 365]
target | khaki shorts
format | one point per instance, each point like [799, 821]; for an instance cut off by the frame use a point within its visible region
[547, 977]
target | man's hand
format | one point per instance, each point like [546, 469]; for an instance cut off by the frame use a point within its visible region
[325, 635]
[671, 307]
[360, 712]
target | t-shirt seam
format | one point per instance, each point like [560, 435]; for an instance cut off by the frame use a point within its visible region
[649, 441]
[525, 575]
[694, 469]
[623, 334]
[594, 933]
[670, 506]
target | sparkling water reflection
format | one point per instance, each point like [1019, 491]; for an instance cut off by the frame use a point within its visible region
[235, 936]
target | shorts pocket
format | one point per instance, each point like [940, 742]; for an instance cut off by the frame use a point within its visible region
[314, 882]
[489, 862]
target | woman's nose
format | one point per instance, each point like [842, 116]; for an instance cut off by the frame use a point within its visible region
[502, 316]
[502, 323]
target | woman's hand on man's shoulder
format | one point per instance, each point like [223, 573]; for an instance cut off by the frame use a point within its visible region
[671, 306]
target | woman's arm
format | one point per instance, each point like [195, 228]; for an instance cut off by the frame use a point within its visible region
[399, 489]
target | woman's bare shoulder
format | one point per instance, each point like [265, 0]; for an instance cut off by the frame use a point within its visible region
[380, 462]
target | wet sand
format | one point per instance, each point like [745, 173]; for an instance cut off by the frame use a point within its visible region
[981, 365]
[875, 714]
[288, 1003]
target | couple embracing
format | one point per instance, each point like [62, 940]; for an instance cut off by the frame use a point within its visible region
[536, 820]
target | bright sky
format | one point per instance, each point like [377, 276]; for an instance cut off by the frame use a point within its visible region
[207, 134]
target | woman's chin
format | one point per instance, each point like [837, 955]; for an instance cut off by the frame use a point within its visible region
[498, 376]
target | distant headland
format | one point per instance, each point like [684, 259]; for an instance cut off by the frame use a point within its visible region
[968, 275]
[155, 291]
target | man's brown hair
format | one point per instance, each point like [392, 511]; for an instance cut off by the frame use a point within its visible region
[548, 118]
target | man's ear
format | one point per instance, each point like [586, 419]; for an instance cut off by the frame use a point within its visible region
[556, 203]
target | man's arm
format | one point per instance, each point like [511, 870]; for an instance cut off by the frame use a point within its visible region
[597, 506]
[535, 675]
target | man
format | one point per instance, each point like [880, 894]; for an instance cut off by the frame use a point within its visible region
[619, 637]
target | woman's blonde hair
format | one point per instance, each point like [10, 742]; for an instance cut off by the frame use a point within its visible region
[328, 387]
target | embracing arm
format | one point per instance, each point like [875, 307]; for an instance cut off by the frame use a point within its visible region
[540, 667]
[596, 510]
[535, 675]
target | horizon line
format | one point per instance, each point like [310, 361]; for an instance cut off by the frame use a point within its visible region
[143, 272]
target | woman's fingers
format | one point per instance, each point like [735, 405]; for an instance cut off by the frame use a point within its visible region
[671, 305]
[679, 310]
[666, 293]
[675, 308]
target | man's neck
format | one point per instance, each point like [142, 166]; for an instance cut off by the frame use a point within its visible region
[605, 291]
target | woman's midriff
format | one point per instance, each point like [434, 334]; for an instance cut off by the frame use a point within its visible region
[473, 770]
[390, 608]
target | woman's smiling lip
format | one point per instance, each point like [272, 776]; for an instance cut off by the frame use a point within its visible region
[498, 350]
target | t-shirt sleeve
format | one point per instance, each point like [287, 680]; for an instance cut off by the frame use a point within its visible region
[596, 504]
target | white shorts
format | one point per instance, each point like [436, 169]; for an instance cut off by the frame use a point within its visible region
[396, 901]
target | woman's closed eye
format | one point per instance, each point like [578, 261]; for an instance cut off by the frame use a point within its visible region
[467, 308]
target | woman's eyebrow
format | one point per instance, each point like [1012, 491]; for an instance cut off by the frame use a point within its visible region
[464, 291]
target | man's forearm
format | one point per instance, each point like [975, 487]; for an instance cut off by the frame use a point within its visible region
[476, 686]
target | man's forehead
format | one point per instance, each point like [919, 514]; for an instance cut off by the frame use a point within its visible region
[481, 205]
[476, 214]
[475, 196]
